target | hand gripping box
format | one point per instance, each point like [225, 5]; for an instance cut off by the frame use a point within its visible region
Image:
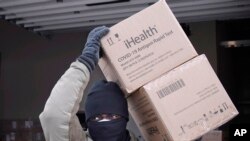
[146, 45]
[183, 104]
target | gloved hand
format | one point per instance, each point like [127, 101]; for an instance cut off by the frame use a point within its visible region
[90, 53]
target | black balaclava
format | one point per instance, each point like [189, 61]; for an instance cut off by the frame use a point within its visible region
[107, 98]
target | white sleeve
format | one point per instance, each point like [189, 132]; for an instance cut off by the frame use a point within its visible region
[58, 118]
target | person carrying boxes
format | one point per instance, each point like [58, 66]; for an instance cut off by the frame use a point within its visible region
[106, 107]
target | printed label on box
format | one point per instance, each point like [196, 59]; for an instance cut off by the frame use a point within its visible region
[146, 45]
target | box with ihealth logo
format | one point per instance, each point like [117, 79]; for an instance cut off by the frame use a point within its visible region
[146, 45]
[183, 104]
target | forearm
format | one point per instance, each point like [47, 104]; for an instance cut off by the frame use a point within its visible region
[63, 102]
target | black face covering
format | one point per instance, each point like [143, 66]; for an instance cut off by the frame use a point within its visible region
[109, 130]
[107, 98]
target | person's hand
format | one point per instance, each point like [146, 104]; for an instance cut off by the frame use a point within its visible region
[90, 53]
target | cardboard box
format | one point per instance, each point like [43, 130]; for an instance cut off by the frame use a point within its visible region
[183, 104]
[146, 45]
[107, 70]
[214, 135]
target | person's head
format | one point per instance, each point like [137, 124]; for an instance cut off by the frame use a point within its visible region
[106, 112]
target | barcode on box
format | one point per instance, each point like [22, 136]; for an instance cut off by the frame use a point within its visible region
[171, 88]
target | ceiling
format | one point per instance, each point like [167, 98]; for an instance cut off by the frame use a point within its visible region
[66, 15]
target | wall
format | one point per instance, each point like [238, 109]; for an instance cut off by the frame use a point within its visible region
[31, 65]
[203, 37]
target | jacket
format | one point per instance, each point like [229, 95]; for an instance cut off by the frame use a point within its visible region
[58, 119]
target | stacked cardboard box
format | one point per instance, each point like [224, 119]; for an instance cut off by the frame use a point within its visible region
[214, 135]
[146, 45]
[172, 93]
[183, 104]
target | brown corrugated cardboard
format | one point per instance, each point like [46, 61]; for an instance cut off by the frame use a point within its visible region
[107, 70]
[146, 45]
[183, 104]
